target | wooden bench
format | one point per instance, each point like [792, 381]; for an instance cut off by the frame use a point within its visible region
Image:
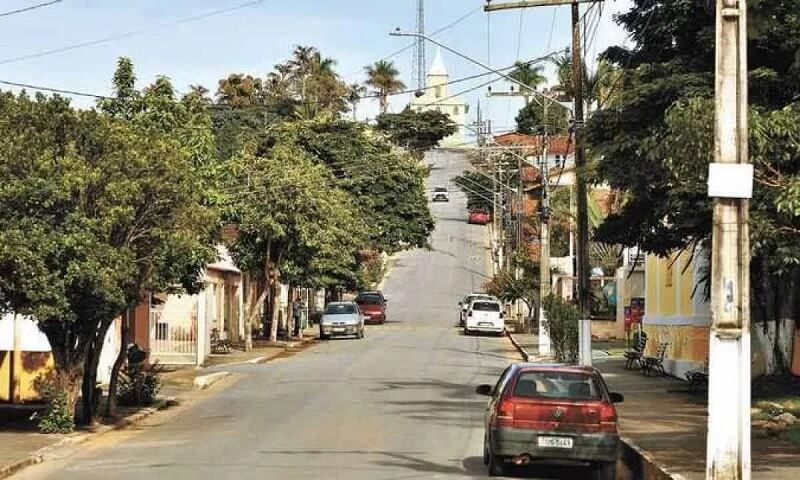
[655, 364]
[634, 355]
[219, 344]
[697, 378]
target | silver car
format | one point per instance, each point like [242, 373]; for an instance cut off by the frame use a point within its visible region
[341, 318]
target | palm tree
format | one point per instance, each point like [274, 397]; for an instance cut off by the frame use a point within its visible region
[355, 93]
[528, 75]
[382, 76]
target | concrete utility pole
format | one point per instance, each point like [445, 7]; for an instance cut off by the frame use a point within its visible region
[544, 244]
[583, 273]
[730, 183]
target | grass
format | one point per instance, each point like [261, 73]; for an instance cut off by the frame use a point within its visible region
[775, 394]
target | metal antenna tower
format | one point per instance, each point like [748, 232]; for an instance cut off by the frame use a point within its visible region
[420, 64]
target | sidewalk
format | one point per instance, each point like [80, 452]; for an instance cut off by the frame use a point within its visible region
[23, 445]
[669, 423]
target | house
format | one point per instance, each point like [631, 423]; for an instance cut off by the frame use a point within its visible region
[676, 309]
[26, 358]
[179, 326]
[437, 96]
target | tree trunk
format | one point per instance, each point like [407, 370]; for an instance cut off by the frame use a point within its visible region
[276, 310]
[89, 388]
[111, 404]
[68, 356]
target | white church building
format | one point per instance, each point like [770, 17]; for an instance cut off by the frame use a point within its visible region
[437, 97]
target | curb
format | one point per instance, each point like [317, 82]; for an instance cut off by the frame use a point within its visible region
[519, 347]
[642, 465]
[202, 382]
[41, 455]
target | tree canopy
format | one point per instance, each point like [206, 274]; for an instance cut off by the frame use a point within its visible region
[415, 131]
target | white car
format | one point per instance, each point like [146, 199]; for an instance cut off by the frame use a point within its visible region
[464, 304]
[484, 316]
[441, 194]
[341, 318]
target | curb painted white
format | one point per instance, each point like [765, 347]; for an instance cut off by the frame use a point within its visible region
[204, 381]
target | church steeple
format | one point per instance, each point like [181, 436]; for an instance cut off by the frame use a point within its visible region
[437, 68]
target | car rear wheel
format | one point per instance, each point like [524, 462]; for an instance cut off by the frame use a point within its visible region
[606, 471]
[466, 332]
[496, 466]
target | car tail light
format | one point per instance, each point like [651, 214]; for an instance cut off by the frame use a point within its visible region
[608, 419]
[505, 414]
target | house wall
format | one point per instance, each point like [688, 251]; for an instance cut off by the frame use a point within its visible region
[673, 314]
[26, 361]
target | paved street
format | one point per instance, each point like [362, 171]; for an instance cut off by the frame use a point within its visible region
[398, 404]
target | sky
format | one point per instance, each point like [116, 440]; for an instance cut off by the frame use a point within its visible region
[253, 38]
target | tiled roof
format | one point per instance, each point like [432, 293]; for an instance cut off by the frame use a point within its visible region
[558, 145]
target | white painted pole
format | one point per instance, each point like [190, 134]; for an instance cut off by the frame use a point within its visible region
[728, 440]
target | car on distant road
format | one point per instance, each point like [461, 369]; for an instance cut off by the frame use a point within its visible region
[478, 216]
[484, 316]
[441, 194]
[373, 307]
[341, 319]
[464, 304]
[549, 413]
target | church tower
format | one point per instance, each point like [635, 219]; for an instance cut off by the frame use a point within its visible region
[437, 97]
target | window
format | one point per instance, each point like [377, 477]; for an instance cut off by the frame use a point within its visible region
[456, 110]
[486, 306]
[438, 92]
[438, 109]
[558, 385]
[369, 299]
[340, 309]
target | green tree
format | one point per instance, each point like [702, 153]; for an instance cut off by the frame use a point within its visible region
[656, 143]
[240, 90]
[529, 75]
[478, 188]
[382, 76]
[417, 132]
[95, 211]
[387, 186]
[355, 93]
[292, 225]
[530, 119]
[507, 287]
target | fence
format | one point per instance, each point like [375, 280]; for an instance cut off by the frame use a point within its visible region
[173, 336]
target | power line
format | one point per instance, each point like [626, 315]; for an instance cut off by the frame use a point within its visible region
[28, 9]
[53, 90]
[132, 33]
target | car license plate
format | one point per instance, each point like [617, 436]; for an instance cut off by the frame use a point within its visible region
[338, 329]
[555, 442]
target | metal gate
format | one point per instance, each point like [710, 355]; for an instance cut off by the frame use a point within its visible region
[173, 336]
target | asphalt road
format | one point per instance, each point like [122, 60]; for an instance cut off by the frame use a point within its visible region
[399, 404]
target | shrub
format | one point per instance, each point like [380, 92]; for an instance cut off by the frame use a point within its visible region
[562, 325]
[58, 418]
[139, 386]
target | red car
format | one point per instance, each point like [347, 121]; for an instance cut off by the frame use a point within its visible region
[478, 216]
[372, 306]
[541, 413]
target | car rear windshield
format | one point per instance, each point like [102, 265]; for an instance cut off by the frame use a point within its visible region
[340, 309]
[558, 385]
[440, 189]
[486, 306]
[369, 299]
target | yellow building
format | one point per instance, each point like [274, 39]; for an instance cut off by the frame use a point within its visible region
[676, 311]
[437, 96]
[25, 360]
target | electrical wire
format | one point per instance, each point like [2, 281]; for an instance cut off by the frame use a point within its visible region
[133, 33]
[28, 9]
[53, 90]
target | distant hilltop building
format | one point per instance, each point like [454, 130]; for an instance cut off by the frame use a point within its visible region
[436, 96]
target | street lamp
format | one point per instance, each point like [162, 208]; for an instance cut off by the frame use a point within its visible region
[399, 33]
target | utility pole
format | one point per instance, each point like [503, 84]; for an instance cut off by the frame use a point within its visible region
[583, 272]
[544, 243]
[730, 183]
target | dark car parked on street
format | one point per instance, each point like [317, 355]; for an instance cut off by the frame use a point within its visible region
[543, 413]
